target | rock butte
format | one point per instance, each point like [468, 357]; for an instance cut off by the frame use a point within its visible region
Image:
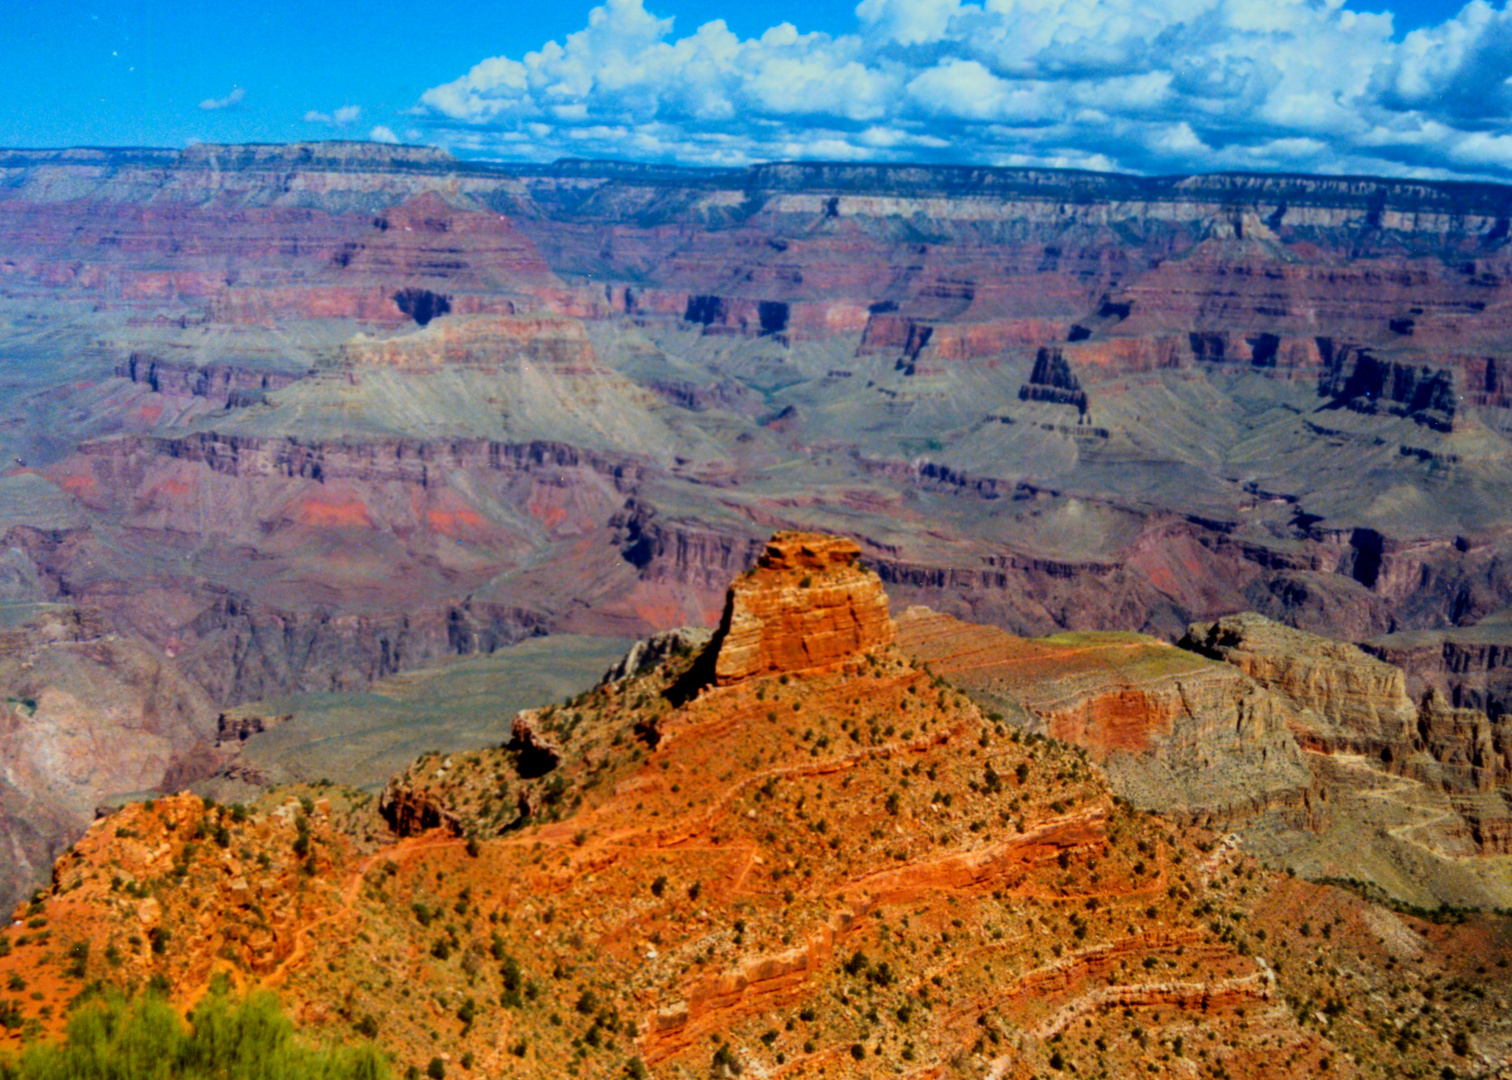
[808, 604]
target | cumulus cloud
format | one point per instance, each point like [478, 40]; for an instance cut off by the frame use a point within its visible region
[342, 117]
[383, 134]
[230, 101]
[1180, 86]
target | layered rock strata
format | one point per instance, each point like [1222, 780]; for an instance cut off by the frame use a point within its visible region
[483, 341]
[1411, 791]
[785, 886]
[1309, 748]
[808, 604]
[338, 403]
[1345, 699]
[1464, 677]
[1172, 730]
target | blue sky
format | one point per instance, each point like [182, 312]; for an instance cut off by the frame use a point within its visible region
[1182, 85]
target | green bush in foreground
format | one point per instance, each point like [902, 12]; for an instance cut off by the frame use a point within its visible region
[113, 1038]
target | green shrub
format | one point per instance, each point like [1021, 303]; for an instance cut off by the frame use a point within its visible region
[112, 1038]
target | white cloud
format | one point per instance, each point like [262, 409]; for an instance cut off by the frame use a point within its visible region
[1459, 68]
[230, 101]
[1126, 84]
[908, 22]
[383, 134]
[342, 117]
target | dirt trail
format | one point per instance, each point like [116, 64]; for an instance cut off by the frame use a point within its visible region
[401, 852]
[1386, 788]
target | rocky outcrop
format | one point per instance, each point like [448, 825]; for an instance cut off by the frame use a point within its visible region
[1464, 678]
[382, 460]
[808, 603]
[222, 384]
[1307, 748]
[654, 650]
[1352, 711]
[1357, 379]
[86, 715]
[1473, 750]
[409, 808]
[670, 550]
[536, 752]
[785, 320]
[932, 345]
[1345, 699]
[1052, 381]
[237, 727]
[1173, 731]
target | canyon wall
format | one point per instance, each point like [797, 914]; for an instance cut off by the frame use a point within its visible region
[303, 417]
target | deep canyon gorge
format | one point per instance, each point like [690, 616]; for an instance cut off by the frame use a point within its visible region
[1204, 483]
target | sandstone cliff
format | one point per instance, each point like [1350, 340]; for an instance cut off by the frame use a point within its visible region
[1464, 678]
[1307, 748]
[808, 604]
[1345, 699]
[1172, 731]
[1405, 794]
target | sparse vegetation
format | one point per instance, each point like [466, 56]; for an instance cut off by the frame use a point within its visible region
[109, 1037]
[782, 813]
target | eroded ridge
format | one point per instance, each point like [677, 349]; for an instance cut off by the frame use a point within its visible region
[846, 870]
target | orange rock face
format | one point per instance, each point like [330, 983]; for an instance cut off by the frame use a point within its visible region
[807, 604]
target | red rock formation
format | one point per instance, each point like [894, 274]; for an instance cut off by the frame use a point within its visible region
[410, 810]
[265, 264]
[320, 549]
[893, 333]
[807, 604]
[788, 320]
[847, 874]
